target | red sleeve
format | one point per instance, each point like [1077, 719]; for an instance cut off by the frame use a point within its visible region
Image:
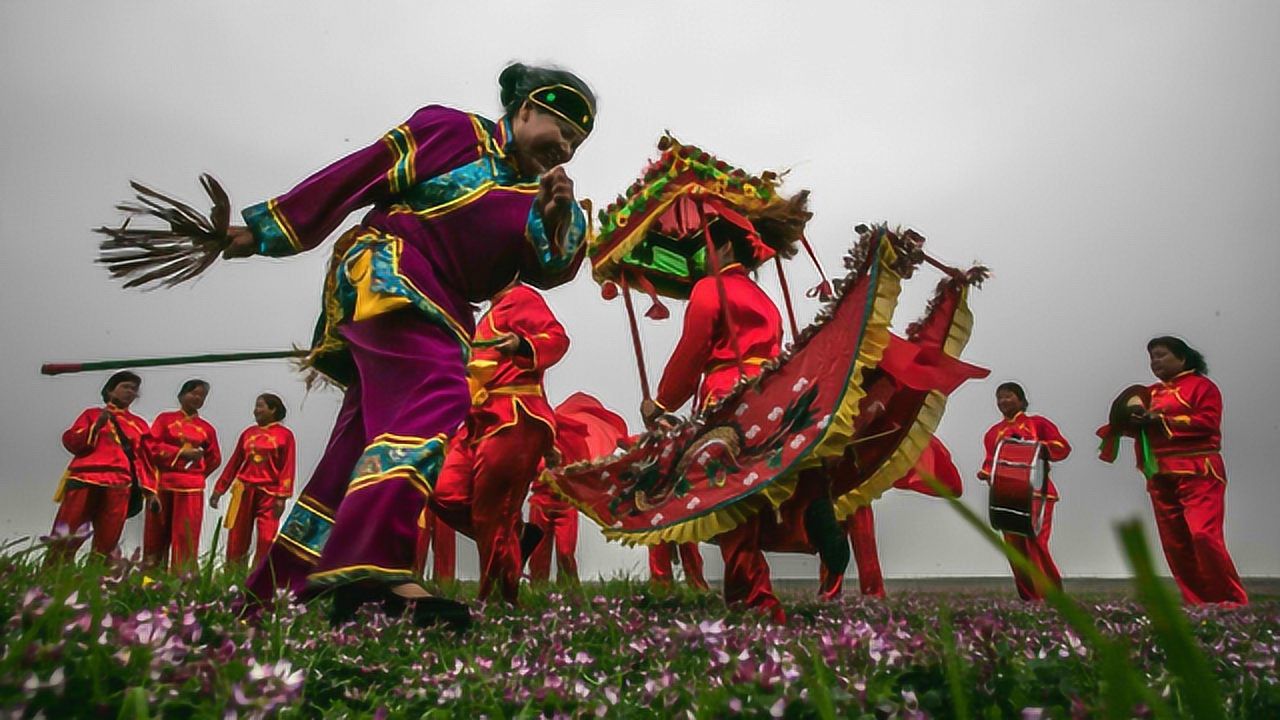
[531, 319]
[284, 483]
[163, 452]
[693, 352]
[1203, 419]
[989, 445]
[233, 466]
[212, 452]
[143, 464]
[80, 438]
[434, 140]
[1056, 445]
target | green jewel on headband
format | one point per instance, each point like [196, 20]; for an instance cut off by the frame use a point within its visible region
[568, 103]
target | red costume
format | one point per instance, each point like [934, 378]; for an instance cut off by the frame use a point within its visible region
[95, 488]
[1031, 427]
[260, 477]
[181, 488]
[660, 570]
[707, 349]
[1188, 486]
[433, 532]
[493, 460]
[585, 430]
[559, 522]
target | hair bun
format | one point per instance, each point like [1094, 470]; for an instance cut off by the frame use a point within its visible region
[509, 80]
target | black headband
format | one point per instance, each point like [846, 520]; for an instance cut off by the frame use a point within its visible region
[567, 102]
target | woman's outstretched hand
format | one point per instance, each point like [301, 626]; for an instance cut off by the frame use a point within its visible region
[240, 243]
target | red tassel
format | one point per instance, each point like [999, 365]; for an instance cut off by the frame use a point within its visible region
[657, 311]
[822, 291]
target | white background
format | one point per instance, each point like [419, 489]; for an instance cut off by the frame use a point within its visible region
[1115, 163]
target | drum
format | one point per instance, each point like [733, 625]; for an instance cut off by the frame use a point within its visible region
[1019, 472]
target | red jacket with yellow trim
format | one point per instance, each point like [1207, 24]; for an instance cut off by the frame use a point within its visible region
[1188, 438]
[706, 350]
[100, 459]
[175, 431]
[265, 457]
[508, 383]
[1027, 427]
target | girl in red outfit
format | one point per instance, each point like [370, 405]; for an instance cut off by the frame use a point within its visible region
[1011, 400]
[1183, 430]
[260, 475]
[185, 451]
[111, 455]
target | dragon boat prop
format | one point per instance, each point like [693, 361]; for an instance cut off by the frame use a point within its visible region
[745, 453]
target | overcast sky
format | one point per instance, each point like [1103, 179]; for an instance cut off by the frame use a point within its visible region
[1116, 164]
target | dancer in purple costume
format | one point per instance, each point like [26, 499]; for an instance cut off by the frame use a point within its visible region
[461, 206]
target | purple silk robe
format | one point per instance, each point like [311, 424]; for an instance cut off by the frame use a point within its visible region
[452, 223]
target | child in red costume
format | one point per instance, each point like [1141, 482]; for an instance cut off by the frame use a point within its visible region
[1186, 478]
[112, 454]
[1011, 400]
[185, 451]
[494, 459]
[260, 475]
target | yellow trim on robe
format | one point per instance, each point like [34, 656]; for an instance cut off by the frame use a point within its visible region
[283, 222]
[375, 568]
[370, 302]
[298, 549]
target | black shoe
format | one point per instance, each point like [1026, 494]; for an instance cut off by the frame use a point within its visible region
[530, 537]
[827, 536]
[431, 611]
[347, 600]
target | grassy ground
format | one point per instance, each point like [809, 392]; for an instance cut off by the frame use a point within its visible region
[106, 639]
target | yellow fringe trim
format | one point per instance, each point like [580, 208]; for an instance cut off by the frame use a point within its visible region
[835, 438]
[908, 452]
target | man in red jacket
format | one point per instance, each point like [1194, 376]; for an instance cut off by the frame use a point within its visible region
[494, 459]
[110, 445]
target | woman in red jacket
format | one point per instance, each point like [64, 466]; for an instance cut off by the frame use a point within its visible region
[185, 451]
[1187, 480]
[1011, 400]
[109, 445]
[260, 476]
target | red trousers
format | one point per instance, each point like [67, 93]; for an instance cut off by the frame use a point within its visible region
[1189, 515]
[1037, 551]
[660, 564]
[480, 492]
[861, 526]
[433, 532]
[103, 508]
[177, 524]
[746, 572]
[559, 523]
[257, 509]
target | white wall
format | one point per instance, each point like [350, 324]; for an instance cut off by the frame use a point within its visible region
[1116, 164]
